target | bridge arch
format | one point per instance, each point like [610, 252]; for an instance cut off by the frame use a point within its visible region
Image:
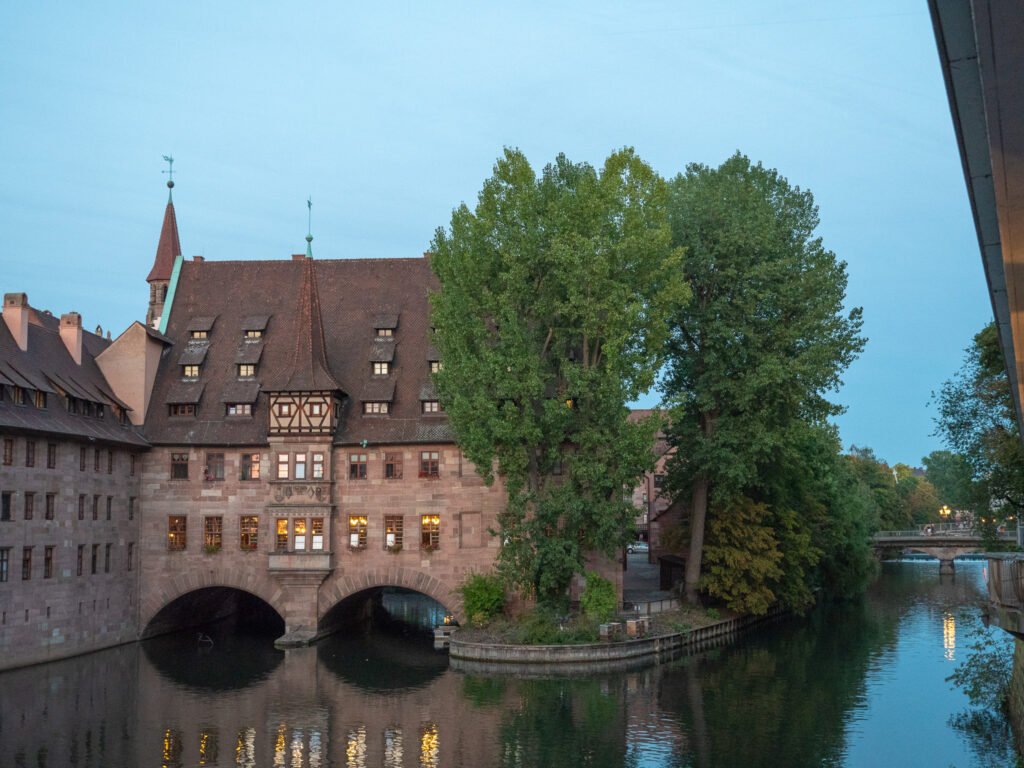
[161, 595]
[346, 585]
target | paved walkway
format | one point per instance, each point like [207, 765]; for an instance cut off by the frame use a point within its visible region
[641, 581]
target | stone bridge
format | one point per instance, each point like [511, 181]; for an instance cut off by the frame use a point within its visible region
[945, 546]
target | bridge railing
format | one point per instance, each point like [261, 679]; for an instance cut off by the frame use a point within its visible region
[1009, 534]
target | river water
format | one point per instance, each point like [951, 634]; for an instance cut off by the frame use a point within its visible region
[851, 685]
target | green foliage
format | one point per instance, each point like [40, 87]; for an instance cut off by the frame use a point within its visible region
[598, 601]
[984, 674]
[951, 475]
[713, 613]
[483, 597]
[549, 320]
[543, 627]
[753, 355]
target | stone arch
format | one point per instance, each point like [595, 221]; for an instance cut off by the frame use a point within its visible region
[343, 586]
[170, 589]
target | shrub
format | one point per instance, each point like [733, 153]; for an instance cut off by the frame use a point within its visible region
[713, 613]
[598, 600]
[483, 597]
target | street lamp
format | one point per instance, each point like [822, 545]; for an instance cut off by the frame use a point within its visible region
[945, 512]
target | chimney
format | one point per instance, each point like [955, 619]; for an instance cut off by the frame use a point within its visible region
[298, 256]
[71, 335]
[199, 259]
[16, 317]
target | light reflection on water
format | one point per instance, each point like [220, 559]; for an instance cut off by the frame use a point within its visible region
[850, 685]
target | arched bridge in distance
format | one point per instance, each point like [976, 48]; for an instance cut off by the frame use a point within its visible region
[945, 545]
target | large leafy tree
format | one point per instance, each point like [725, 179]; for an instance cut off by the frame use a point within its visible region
[977, 421]
[763, 340]
[549, 319]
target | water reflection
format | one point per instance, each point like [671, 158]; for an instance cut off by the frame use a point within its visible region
[852, 685]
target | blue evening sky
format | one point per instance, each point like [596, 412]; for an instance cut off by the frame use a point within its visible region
[391, 114]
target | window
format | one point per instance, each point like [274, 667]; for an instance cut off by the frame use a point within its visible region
[81, 558]
[659, 481]
[131, 507]
[30, 504]
[179, 466]
[51, 503]
[250, 466]
[5, 505]
[239, 409]
[19, 396]
[95, 557]
[96, 460]
[392, 466]
[315, 409]
[431, 406]
[190, 371]
[81, 459]
[253, 334]
[81, 506]
[51, 455]
[26, 563]
[357, 532]
[40, 399]
[281, 541]
[177, 532]
[375, 407]
[130, 564]
[429, 464]
[317, 526]
[430, 533]
[214, 466]
[284, 409]
[48, 562]
[435, 366]
[110, 502]
[300, 466]
[385, 332]
[181, 409]
[318, 466]
[95, 507]
[106, 558]
[212, 529]
[299, 530]
[30, 453]
[110, 462]
[381, 369]
[357, 466]
[249, 529]
[5, 563]
[131, 464]
[9, 451]
[393, 532]
[282, 466]
[246, 370]
[200, 334]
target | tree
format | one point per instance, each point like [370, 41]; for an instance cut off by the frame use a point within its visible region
[952, 476]
[977, 420]
[549, 319]
[764, 338]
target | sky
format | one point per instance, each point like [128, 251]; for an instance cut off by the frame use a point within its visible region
[389, 115]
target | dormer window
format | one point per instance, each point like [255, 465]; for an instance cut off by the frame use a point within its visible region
[40, 399]
[431, 406]
[253, 335]
[385, 332]
[239, 409]
[19, 396]
[182, 409]
[246, 370]
[376, 408]
[381, 369]
[190, 371]
[200, 335]
[435, 366]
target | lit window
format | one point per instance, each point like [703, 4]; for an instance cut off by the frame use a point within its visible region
[299, 531]
[392, 466]
[375, 407]
[179, 466]
[357, 532]
[384, 332]
[318, 466]
[435, 366]
[214, 467]
[282, 466]
[393, 532]
[250, 531]
[246, 370]
[357, 466]
[250, 466]
[200, 334]
[381, 369]
[190, 371]
[300, 466]
[429, 464]
[239, 409]
[254, 334]
[281, 541]
[431, 406]
[176, 532]
[212, 529]
[317, 526]
[430, 532]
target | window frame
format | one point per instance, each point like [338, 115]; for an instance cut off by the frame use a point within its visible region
[249, 466]
[430, 532]
[249, 533]
[177, 525]
[214, 469]
[393, 466]
[381, 368]
[51, 455]
[357, 529]
[393, 532]
[376, 408]
[430, 407]
[213, 533]
[430, 464]
[179, 465]
[357, 463]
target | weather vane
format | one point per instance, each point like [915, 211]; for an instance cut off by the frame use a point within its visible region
[169, 159]
[309, 223]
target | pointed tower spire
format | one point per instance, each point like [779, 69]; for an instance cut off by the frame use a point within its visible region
[167, 250]
[309, 229]
[309, 371]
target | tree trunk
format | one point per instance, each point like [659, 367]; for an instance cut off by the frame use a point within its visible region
[698, 513]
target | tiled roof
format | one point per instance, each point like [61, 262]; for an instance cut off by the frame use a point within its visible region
[185, 392]
[352, 295]
[378, 390]
[382, 351]
[193, 354]
[249, 352]
[385, 320]
[47, 366]
[241, 392]
[167, 248]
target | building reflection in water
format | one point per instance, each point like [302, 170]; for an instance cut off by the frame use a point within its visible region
[429, 746]
[949, 636]
[245, 748]
[393, 752]
[355, 752]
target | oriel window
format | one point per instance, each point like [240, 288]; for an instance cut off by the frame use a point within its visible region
[299, 532]
[392, 531]
[300, 466]
[281, 538]
[318, 466]
[317, 531]
[212, 530]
